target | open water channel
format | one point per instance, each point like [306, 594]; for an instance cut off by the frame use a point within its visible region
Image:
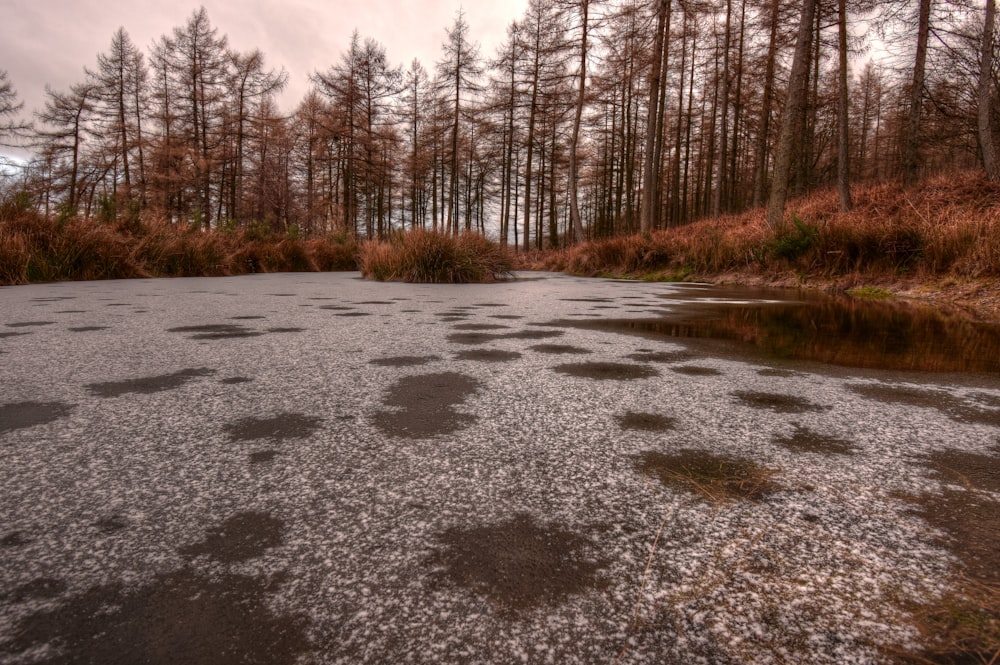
[313, 468]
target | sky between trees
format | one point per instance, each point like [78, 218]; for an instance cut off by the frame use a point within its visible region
[687, 109]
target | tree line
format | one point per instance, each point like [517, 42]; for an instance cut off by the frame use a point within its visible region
[593, 118]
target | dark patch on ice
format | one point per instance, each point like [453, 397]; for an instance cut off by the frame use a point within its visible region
[424, 405]
[243, 536]
[29, 324]
[21, 415]
[556, 349]
[375, 302]
[284, 426]
[262, 456]
[38, 588]
[714, 477]
[480, 326]
[119, 304]
[286, 330]
[488, 355]
[111, 523]
[14, 539]
[336, 308]
[969, 517]
[695, 370]
[71, 311]
[646, 422]
[931, 398]
[483, 338]
[776, 402]
[661, 356]
[403, 361]
[281, 295]
[87, 328]
[53, 298]
[247, 318]
[506, 317]
[180, 617]
[353, 314]
[805, 440]
[779, 373]
[490, 304]
[586, 300]
[14, 334]
[234, 380]
[518, 565]
[217, 331]
[975, 471]
[149, 384]
[605, 371]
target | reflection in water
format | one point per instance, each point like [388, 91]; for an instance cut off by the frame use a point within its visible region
[840, 331]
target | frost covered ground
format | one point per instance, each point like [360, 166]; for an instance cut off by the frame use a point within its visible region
[320, 469]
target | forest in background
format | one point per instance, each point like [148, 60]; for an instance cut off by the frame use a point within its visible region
[722, 106]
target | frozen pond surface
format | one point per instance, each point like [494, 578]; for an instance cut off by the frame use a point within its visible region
[313, 468]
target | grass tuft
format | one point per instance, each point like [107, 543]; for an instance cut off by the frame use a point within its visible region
[429, 257]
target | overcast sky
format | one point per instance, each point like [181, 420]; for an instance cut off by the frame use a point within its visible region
[51, 41]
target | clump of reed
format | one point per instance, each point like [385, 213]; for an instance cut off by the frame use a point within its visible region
[431, 257]
[36, 248]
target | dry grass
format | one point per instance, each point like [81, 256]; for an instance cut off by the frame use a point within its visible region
[946, 226]
[38, 249]
[963, 626]
[428, 257]
[714, 477]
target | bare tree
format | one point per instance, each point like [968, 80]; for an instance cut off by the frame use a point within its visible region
[986, 94]
[791, 121]
[11, 128]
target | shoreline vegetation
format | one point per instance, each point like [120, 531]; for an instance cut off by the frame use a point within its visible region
[937, 242]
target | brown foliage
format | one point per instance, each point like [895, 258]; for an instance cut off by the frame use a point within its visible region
[948, 225]
[34, 248]
[429, 257]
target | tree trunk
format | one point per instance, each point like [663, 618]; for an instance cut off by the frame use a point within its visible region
[653, 124]
[574, 205]
[791, 122]
[986, 144]
[843, 141]
[911, 149]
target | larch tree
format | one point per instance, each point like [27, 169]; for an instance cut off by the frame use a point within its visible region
[120, 82]
[11, 128]
[986, 94]
[459, 72]
[792, 115]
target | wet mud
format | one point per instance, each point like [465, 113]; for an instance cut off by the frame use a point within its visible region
[148, 385]
[424, 405]
[518, 565]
